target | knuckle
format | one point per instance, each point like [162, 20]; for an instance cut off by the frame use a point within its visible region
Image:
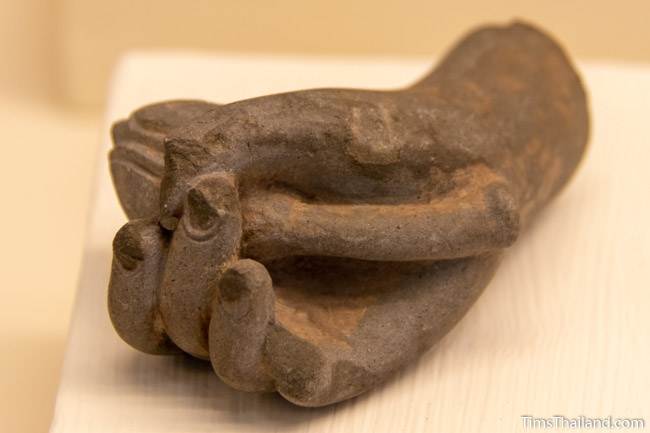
[504, 211]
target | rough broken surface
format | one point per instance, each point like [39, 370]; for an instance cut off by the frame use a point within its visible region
[314, 242]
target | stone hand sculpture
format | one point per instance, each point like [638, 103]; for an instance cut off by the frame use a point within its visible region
[314, 242]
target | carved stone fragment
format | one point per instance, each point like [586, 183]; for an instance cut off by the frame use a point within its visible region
[314, 242]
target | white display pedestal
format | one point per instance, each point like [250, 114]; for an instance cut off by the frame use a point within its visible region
[562, 329]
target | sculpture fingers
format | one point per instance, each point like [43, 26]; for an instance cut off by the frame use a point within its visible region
[295, 336]
[479, 216]
[211, 229]
[139, 252]
[242, 313]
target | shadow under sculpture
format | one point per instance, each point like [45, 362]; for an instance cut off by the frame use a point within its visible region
[314, 242]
